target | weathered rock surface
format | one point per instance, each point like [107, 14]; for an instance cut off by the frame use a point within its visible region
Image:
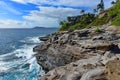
[79, 55]
[113, 70]
[84, 69]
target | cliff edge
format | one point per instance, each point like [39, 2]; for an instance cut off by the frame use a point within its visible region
[80, 54]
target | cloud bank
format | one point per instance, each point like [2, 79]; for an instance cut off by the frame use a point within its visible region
[49, 12]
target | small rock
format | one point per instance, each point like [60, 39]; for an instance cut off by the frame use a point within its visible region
[97, 38]
[43, 38]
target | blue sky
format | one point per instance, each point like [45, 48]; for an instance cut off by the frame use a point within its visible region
[43, 13]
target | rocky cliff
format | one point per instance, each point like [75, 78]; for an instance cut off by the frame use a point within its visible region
[81, 54]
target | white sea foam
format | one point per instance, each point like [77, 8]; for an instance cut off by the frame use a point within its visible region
[25, 52]
[31, 40]
[21, 59]
[17, 57]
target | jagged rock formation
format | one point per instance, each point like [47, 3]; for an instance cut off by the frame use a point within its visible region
[80, 54]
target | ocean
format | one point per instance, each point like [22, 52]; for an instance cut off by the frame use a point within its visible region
[17, 60]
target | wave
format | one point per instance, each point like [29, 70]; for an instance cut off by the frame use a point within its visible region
[13, 65]
[32, 40]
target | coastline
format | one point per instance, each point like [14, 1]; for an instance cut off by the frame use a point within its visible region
[80, 55]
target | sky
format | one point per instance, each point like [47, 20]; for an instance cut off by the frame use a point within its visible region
[43, 13]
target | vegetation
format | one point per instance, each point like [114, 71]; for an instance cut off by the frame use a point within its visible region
[100, 6]
[110, 16]
[78, 22]
[97, 30]
[99, 17]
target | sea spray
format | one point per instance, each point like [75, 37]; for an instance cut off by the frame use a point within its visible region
[21, 64]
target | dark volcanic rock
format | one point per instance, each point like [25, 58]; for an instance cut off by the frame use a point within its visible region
[44, 38]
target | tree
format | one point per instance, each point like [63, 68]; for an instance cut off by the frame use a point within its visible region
[82, 11]
[113, 2]
[61, 22]
[68, 18]
[100, 6]
[95, 11]
[71, 19]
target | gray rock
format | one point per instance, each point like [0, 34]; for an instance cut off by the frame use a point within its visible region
[79, 54]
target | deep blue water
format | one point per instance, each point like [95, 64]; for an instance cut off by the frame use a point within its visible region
[17, 60]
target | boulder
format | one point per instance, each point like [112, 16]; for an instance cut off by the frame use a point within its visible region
[43, 38]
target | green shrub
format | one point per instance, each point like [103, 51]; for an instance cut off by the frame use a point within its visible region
[97, 30]
[80, 22]
[88, 19]
[64, 26]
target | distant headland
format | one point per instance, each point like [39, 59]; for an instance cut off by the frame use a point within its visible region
[38, 27]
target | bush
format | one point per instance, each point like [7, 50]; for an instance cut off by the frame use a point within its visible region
[97, 30]
[64, 26]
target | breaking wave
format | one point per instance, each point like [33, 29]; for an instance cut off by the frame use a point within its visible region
[21, 64]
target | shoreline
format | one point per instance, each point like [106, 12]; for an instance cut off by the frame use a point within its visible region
[80, 54]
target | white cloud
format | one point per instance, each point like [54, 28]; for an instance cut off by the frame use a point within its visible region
[50, 16]
[20, 1]
[52, 12]
[44, 17]
[9, 23]
[78, 3]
